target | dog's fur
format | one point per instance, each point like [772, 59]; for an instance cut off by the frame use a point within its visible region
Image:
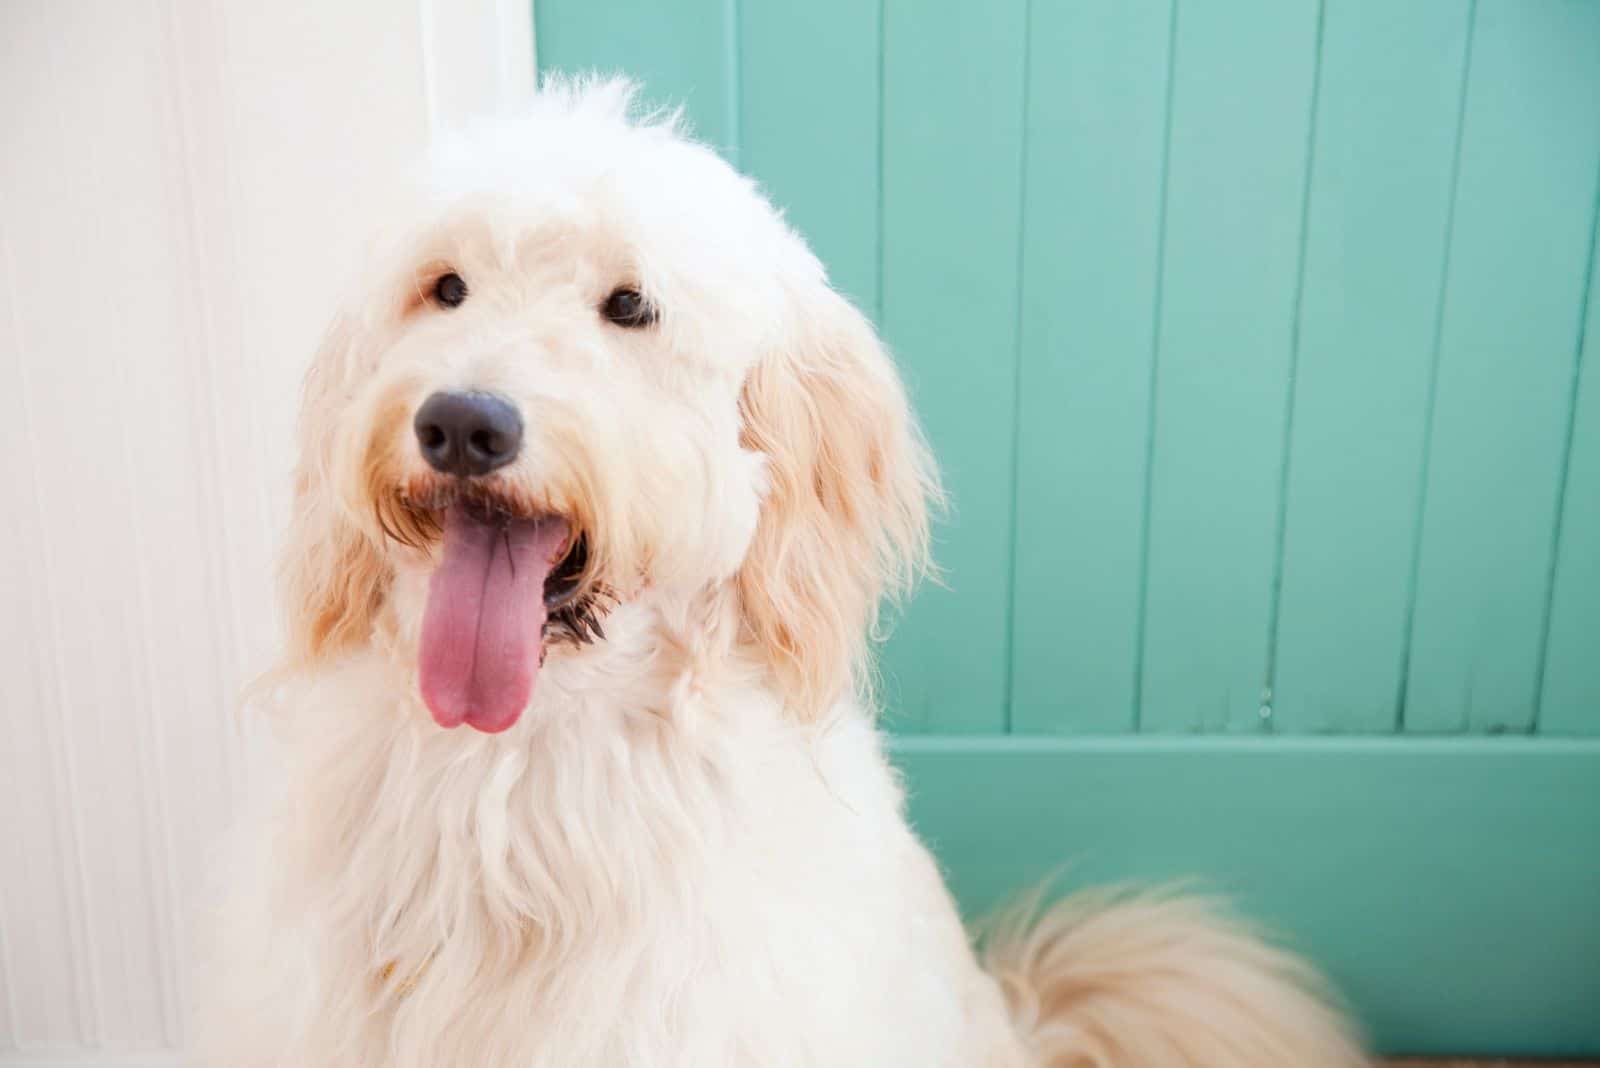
[690, 850]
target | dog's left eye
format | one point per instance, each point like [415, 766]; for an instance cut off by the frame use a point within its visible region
[450, 291]
[626, 306]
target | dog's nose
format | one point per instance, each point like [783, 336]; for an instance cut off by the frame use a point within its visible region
[467, 434]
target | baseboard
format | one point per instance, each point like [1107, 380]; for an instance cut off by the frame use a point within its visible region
[1451, 887]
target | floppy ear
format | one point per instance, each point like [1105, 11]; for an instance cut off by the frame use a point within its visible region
[332, 574]
[844, 523]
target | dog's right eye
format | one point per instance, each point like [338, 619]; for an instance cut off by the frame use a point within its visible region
[450, 290]
[628, 307]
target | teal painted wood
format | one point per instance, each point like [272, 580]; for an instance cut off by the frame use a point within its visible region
[1525, 206]
[1383, 156]
[679, 52]
[815, 148]
[1403, 325]
[1570, 701]
[1241, 111]
[1117, 585]
[1448, 885]
[952, 164]
[1096, 129]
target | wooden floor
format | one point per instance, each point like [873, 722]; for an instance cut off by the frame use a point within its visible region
[1493, 1064]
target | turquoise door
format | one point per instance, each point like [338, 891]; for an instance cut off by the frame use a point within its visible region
[1259, 344]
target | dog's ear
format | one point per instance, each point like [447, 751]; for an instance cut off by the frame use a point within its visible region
[333, 576]
[844, 523]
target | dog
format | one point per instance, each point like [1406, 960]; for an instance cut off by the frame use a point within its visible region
[601, 487]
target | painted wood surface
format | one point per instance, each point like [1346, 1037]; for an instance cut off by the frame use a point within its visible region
[1571, 675]
[952, 153]
[685, 52]
[1236, 195]
[1246, 331]
[816, 152]
[1447, 885]
[1096, 144]
[1513, 305]
[1378, 224]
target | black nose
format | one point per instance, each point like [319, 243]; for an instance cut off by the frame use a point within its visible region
[467, 433]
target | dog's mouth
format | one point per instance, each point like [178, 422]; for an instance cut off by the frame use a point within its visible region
[508, 583]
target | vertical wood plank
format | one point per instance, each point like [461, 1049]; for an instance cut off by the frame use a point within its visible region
[952, 156]
[813, 142]
[1241, 109]
[138, 573]
[1383, 161]
[1513, 302]
[39, 822]
[1097, 106]
[681, 52]
[73, 189]
[8, 1005]
[1570, 699]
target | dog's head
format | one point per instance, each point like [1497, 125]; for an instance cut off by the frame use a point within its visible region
[598, 368]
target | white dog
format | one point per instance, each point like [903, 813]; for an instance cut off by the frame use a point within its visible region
[598, 465]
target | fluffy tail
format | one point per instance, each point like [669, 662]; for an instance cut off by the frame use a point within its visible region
[1114, 981]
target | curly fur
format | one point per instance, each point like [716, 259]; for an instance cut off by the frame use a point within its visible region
[690, 849]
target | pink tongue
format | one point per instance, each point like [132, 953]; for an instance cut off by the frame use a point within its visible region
[482, 633]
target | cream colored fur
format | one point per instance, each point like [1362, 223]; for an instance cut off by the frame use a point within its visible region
[691, 849]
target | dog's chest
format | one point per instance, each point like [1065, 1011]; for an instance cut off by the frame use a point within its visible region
[607, 897]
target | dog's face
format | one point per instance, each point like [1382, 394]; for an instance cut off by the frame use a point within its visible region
[597, 368]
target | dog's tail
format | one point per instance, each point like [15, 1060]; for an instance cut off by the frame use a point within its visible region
[1109, 980]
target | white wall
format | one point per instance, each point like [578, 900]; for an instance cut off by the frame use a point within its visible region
[180, 182]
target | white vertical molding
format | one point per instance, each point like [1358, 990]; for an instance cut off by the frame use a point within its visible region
[203, 270]
[176, 993]
[82, 173]
[217, 93]
[149, 773]
[514, 45]
[149, 768]
[66, 813]
[477, 59]
[8, 1002]
[64, 803]
[15, 721]
[202, 341]
[428, 33]
[197, 55]
[245, 651]
[186, 40]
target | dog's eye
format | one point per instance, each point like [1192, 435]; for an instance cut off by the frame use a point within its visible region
[450, 290]
[626, 306]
